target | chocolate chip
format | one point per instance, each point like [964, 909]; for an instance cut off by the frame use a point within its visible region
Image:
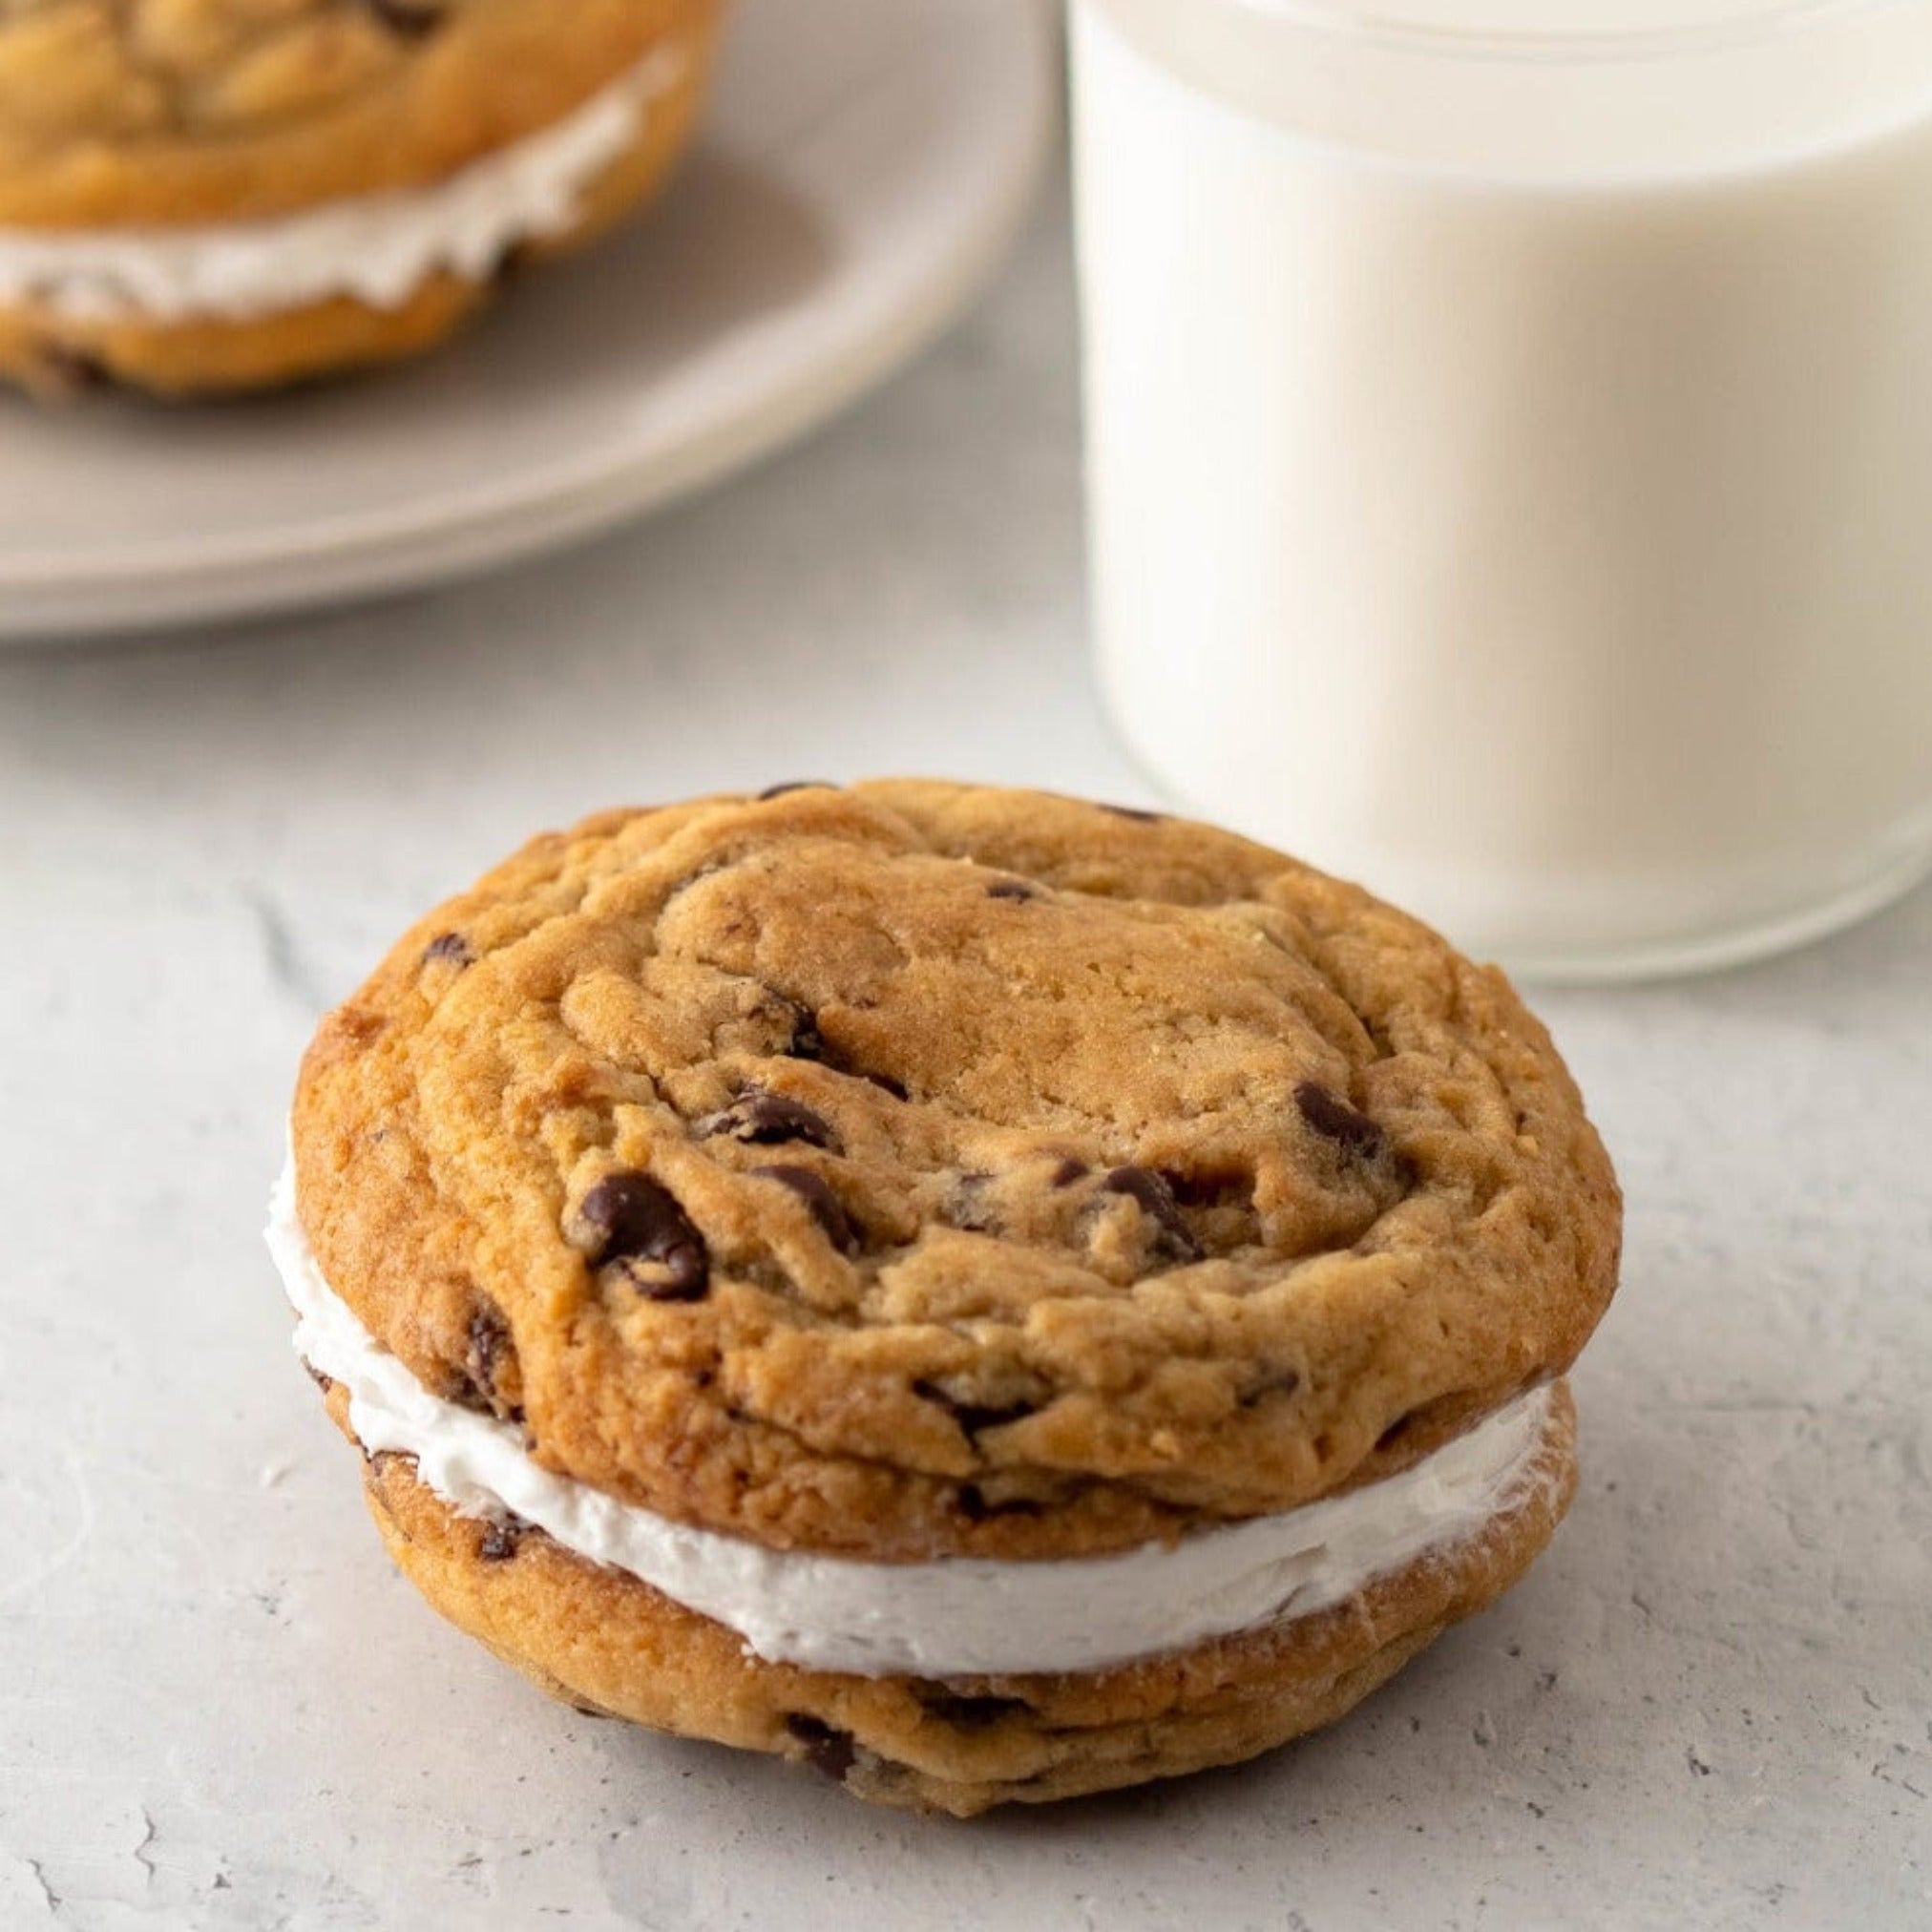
[968, 1714]
[826, 1208]
[772, 792]
[973, 1416]
[827, 1748]
[1134, 813]
[1155, 1199]
[975, 1506]
[501, 1541]
[490, 1362]
[980, 1417]
[635, 1222]
[1068, 1172]
[1010, 889]
[450, 946]
[806, 1042]
[510, 267]
[407, 19]
[1280, 1382]
[1210, 1187]
[1334, 1120]
[64, 372]
[762, 1120]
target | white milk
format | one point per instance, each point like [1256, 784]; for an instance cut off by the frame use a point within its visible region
[1510, 458]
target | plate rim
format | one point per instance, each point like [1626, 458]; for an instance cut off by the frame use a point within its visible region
[531, 513]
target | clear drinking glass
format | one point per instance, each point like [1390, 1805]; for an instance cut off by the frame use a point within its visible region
[1510, 450]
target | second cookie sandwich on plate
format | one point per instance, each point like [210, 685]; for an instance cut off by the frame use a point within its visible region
[219, 194]
[993, 1295]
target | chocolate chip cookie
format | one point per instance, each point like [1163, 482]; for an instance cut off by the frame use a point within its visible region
[219, 194]
[993, 1295]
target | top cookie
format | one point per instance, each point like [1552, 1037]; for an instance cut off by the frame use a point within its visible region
[916, 1168]
[127, 113]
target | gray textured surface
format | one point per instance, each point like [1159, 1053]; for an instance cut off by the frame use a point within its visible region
[1710, 1706]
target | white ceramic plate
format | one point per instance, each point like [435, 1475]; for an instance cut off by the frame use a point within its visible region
[867, 162]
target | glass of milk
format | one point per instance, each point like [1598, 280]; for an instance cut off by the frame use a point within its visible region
[1510, 450]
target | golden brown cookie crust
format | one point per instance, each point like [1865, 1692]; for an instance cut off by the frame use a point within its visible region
[1155, 1179]
[605, 1641]
[58, 356]
[131, 113]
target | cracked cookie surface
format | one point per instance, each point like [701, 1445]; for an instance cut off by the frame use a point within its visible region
[910, 1169]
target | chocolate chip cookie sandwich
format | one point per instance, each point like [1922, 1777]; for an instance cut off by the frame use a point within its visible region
[221, 195]
[992, 1295]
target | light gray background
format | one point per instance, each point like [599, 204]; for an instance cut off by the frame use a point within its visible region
[1710, 1706]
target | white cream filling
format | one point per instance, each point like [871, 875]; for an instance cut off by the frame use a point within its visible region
[377, 248]
[953, 1617]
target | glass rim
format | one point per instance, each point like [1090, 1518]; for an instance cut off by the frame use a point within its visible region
[1740, 25]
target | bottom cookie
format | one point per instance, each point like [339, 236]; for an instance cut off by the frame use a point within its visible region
[603, 1641]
